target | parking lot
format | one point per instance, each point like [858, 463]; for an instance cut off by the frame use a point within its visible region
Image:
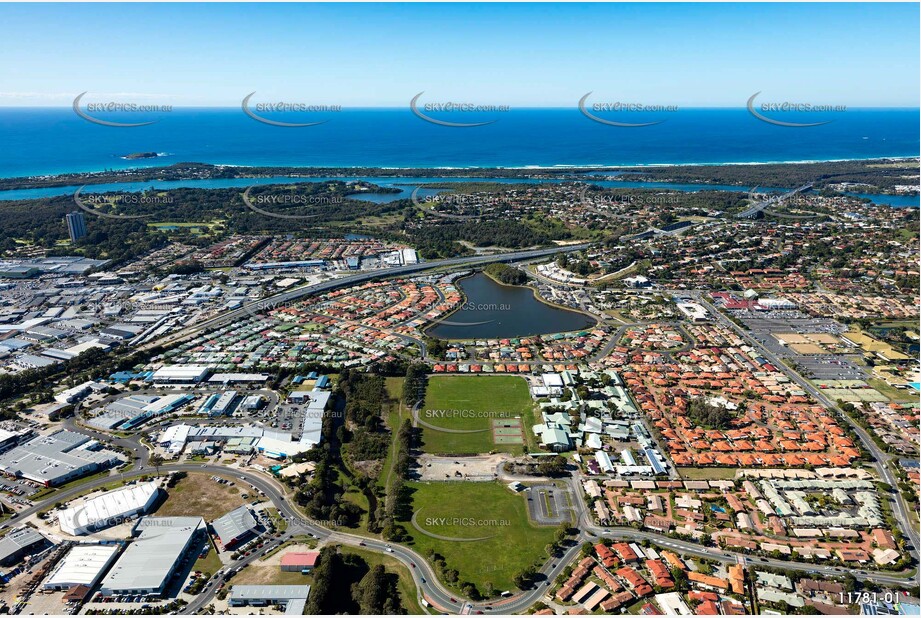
[548, 505]
[835, 367]
[820, 366]
[286, 417]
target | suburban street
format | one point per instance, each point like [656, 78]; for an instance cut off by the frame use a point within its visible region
[429, 587]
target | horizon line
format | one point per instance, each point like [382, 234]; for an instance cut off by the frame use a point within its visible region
[512, 107]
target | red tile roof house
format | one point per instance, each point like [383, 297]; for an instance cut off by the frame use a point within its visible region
[660, 574]
[605, 554]
[626, 554]
[636, 583]
[299, 562]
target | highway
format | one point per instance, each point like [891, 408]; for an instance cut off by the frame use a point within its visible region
[278, 300]
[777, 199]
[441, 598]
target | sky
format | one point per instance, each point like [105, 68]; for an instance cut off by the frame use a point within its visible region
[521, 55]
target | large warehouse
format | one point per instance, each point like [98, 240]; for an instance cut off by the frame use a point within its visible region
[108, 509]
[181, 374]
[19, 543]
[83, 564]
[57, 458]
[149, 562]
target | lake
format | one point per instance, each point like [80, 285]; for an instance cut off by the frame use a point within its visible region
[494, 311]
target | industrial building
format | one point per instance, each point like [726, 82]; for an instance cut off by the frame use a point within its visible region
[20, 543]
[57, 458]
[299, 562]
[292, 596]
[312, 429]
[108, 509]
[83, 564]
[253, 402]
[77, 393]
[150, 560]
[9, 439]
[129, 412]
[180, 374]
[235, 526]
[224, 405]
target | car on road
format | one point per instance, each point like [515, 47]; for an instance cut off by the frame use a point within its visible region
[412, 564]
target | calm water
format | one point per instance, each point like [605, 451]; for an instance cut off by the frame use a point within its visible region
[405, 185]
[494, 311]
[50, 141]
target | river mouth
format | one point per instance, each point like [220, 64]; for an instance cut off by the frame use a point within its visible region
[495, 311]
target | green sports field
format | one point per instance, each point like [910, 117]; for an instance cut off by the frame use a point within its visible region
[472, 511]
[475, 403]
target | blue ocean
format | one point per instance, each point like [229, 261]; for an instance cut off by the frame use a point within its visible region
[53, 140]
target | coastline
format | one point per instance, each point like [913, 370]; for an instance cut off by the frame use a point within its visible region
[562, 167]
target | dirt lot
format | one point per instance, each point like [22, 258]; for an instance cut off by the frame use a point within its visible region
[199, 494]
[482, 468]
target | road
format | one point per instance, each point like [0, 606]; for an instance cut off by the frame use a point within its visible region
[423, 574]
[281, 299]
[753, 211]
[881, 459]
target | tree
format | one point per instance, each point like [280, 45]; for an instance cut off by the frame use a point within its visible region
[552, 466]
[376, 593]
[525, 579]
[708, 415]
[156, 460]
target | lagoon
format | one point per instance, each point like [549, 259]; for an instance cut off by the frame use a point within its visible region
[496, 311]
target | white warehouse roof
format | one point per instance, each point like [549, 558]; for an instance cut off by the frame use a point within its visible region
[180, 373]
[84, 564]
[107, 509]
